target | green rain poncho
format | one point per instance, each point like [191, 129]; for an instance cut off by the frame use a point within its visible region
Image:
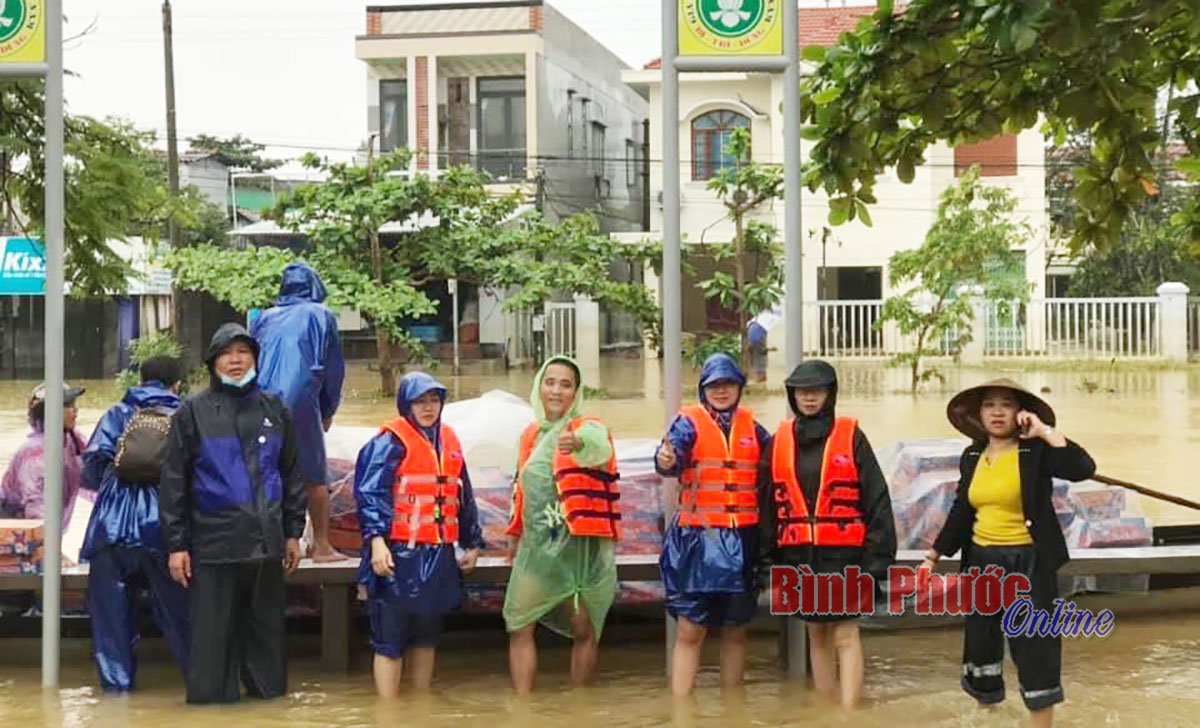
[553, 572]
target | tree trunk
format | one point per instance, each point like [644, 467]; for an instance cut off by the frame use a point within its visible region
[740, 271]
[916, 364]
[387, 375]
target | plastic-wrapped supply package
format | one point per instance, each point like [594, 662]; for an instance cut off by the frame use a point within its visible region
[21, 541]
[922, 479]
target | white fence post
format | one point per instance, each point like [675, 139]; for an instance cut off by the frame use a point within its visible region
[1173, 299]
[587, 337]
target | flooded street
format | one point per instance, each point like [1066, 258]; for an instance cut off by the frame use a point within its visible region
[1141, 424]
[1143, 674]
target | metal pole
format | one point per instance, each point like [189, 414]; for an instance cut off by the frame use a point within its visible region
[671, 288]
[795, 637]
[53, 493]
[793, 239]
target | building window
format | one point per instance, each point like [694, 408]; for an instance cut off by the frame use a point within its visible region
[598, 147]
[631, 163]
[502, 127]
[996, 157]
[393, 115]
[710, 136]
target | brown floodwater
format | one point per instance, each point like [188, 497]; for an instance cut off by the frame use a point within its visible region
[1140, 423]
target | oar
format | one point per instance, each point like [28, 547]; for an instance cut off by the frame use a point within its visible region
[1147, 491]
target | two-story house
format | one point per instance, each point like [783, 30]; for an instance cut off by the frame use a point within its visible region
[843, 263]
[518, 90]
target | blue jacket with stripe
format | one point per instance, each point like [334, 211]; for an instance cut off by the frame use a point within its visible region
[231, 489]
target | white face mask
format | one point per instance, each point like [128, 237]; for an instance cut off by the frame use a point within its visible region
[248, 377]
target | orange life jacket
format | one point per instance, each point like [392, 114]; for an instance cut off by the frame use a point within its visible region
[838, 519]
[589, 496]
[425, 495]
[718, 488]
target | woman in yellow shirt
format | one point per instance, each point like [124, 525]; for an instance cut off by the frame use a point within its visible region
[1003, 516]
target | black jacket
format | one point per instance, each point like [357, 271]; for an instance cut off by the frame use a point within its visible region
[231, 490]
[879, 548]
[1038, 463]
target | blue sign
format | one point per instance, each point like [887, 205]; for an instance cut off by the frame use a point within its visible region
[22, 267]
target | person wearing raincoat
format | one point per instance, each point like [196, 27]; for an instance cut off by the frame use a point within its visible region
[22, 489]
[710, 551]
[828, 510]
[415, 506]
[566, 520]
[124, 543]
[301, 361]
[231, 505]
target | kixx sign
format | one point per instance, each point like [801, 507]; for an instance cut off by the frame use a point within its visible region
[22, 267]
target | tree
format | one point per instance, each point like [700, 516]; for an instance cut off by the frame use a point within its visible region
[236, 151]
[962, 258]
[115, 188]
[743, 188]
[966, 70]
[454, 227]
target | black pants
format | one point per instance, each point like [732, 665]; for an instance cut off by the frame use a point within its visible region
[1038, 659]
[238, 631]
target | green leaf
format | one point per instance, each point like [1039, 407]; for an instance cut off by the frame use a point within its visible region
[863, 214]
[1189, 166]
[827, 95]
[814, 54]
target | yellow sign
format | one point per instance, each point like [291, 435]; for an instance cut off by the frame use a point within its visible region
[730, 28]
[22, 31]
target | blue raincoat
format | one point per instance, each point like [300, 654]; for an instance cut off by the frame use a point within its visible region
[426, 578]
[125, 547]
[300, 360]
[700, 561]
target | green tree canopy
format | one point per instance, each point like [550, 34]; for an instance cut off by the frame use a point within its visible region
[451, 227]
[236, 151]
[966, 70]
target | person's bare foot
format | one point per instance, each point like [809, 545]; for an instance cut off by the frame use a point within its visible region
[327, 555]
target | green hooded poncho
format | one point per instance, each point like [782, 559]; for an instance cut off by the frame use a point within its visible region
[552, 570]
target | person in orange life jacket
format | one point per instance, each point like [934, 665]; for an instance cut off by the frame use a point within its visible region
[710, 551]
[415, 504]
[828, 509]
[1003, 516]
[566, 519]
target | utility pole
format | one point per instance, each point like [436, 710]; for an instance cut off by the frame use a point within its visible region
[173, 170]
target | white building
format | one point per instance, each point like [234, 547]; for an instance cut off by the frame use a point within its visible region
[852, 259]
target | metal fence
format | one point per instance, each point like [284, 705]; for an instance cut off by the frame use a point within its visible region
[1076, 328]
[560, 329]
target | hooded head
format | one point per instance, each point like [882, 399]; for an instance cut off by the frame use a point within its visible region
[813, 374]
[301, 284]
[535, 397]
[720, 367]
[412, 386]
[225, 336]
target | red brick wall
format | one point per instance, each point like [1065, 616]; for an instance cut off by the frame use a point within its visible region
[422, 146]
[537, 18]
[996, 157]
[374, 22]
